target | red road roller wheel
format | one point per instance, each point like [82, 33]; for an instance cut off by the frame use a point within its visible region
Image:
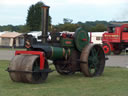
[92, 60]
[26, 68]
[106, 49]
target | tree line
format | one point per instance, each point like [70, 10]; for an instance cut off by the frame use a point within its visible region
[33, 23]
[90, 26]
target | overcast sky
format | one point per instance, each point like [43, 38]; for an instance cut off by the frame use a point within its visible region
[15, 11]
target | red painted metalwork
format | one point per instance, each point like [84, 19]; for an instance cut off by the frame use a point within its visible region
[106, 49]
[91, 37]
[110, 45]
[68, 42]
[84, 39]
[112, 37]
[41, 54]
[64, 35]
[118, 36]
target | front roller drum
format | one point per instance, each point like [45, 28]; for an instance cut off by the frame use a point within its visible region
[92, 60]
[26, 68]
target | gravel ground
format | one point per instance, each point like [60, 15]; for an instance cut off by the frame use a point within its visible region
[115, 61]
[119, 61]
[6, 55]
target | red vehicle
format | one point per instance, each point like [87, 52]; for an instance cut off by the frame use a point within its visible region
[116, 39]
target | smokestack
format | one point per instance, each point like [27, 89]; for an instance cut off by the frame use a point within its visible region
[45, 14]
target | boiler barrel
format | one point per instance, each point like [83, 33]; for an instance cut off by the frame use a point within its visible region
[55, 53]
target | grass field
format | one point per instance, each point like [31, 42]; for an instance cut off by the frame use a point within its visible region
[114, 82]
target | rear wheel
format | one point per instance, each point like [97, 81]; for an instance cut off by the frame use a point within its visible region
[117, 51]
[26, 68]
[68, 67]
[93, 60]
[107, 49]
[62, 68]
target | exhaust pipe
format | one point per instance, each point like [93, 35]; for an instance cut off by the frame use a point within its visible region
[45, 15]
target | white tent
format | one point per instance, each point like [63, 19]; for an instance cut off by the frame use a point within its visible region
[1, 33]
[10, 39]
[36, 34]
[96, 37]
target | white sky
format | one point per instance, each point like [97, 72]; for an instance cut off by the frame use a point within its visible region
[15, 11]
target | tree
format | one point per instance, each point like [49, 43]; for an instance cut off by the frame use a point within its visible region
[94, 26]
[30, 18]
[67, 26]
[34, 21]
[67, 20]
[99, 28]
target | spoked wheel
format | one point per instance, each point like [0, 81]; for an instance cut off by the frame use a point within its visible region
[67, 67]
[117, 51]
[93, 60]
[25, 68]
[62, 69]
[106, 49]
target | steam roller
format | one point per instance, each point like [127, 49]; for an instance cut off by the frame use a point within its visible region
[70, 53]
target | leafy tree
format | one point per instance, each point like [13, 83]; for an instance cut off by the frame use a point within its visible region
[34, 17]
[66, 26]
[99, 28]
[90, 26]
[30, 18]
[94, 26]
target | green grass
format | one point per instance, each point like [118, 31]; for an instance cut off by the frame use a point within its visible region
[114, 82]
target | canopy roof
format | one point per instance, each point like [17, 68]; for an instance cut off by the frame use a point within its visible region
[11, 34]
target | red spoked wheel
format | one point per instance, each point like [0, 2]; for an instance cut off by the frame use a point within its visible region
[106, 49]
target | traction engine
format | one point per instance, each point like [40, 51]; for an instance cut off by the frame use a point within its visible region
[70, 53]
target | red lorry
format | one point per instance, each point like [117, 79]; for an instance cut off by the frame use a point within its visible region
[115, 39]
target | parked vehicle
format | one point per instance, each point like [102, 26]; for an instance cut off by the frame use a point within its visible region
[70, 53]
[115, 39]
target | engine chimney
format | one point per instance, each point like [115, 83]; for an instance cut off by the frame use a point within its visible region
[45, 14]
